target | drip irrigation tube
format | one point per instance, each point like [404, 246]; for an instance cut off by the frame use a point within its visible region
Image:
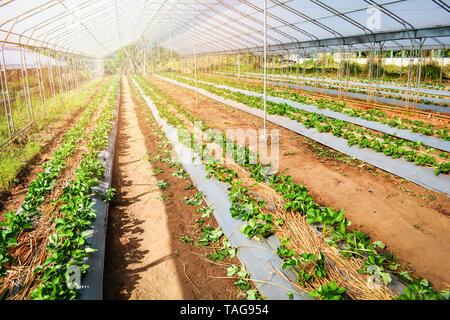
[259, 258]
[434, 142]
[400, 167]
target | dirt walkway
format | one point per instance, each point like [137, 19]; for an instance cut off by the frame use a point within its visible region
[144, 257]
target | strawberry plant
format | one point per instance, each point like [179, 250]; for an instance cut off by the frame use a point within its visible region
[45, 182]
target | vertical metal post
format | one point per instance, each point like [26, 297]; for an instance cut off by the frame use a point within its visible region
[304, 71]
[408, 90]
[324, 62]
[265, 70]
[151, 57]
[171, 52]
[441, 56]
[379, 65]
[369, 91]
[58, 75]
[52, 81]
[195, 55]
[239, 67]
[419, 74]
[340, 72]
[401, 63]
[159, 56]
[347, 70]
[296, 71]
[39, 77]
[316, 71]
[26, 91]
[145, 57]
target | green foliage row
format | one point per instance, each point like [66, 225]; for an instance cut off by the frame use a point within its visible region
[37, 190]
[67, 247]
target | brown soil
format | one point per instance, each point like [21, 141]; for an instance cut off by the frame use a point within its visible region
[412, 221]
[51, 137]
[144, 257]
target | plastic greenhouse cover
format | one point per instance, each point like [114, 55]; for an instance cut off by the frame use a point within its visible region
[30, 59]
[431, 141]
[99, 27]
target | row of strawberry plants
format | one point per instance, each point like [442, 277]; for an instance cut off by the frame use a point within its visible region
[400, 83]
[355, 135]
[416, 126]
[68, 247]
[261, 224]
[15, 223]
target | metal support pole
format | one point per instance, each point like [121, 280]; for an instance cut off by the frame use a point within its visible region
[296, 72]
[304, 72]
[379, 65]
[316, 71]
[265, 70]
[159, 56]
[40, 83]
[408, 90]
[171, 52]
[340, 72]
[26, 87]
[145, 57]
[195, 55]
[6, 97]
[239, 67]
[419, 74]
[369, 91]
[151, 57]
[52, 81]
[324, 61]
[347, 71]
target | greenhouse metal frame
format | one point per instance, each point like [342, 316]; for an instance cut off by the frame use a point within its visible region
[251, 56]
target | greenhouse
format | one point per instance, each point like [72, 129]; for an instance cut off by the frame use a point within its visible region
[224, 150]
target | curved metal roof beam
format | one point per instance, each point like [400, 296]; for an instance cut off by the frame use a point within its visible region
[228, 37]
[342, 16]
